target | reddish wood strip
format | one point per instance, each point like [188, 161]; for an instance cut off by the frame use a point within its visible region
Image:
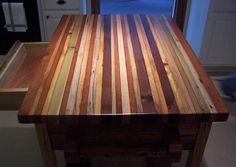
[168, 93]
[133, 104]
[84, 102]
[72, 68]
[47, 82]
[145, 91]
[106, 80]
[117, 68]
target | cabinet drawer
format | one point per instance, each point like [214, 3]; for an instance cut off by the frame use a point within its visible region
[63, 4]
[17, 70]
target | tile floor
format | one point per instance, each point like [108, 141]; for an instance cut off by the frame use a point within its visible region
[18, 145]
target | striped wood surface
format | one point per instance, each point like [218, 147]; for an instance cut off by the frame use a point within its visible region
[128, 65]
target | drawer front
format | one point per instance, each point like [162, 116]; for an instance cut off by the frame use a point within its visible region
[63, 4]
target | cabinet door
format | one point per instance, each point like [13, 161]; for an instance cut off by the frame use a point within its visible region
[63, 4]
[218, 47]
[51, 24]
[52, 18]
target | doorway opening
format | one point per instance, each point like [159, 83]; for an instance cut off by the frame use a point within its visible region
[137, 7]
[176, 8]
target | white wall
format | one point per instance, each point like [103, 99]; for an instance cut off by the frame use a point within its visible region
[196, 23]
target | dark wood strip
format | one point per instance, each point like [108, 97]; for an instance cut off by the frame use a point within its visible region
[133, 104]
[72, 68]
[145, 91]
[48, 80]
[38, 79]
[117, 69]
[84, 101]
[165, 83]
[106, 79]
[193, 99]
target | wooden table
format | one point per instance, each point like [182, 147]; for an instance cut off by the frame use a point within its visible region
[121, 85]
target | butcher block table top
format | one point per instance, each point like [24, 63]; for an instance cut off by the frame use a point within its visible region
[120, 66]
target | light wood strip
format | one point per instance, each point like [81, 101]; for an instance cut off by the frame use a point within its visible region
[83, 67]
[123, 70]
[85, 90]
[211, 89]
[99, 73]
[76, 30]
[113, 77]
[185, 75]
[181, 95]
[63, 110]
[154, 80]
[190, 102]
[92, 88]
[56, 100]
[198, 88]
[58, 82]
[73, 90]
[185, 78]
[133, 68]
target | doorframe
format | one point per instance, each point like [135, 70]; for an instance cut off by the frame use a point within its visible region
[179, 13]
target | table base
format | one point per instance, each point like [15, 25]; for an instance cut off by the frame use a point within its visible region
[162, 144]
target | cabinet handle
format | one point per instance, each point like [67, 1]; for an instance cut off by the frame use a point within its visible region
[47, 17]
[61, 2]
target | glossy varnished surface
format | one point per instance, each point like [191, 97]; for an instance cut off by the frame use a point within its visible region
[116, 66]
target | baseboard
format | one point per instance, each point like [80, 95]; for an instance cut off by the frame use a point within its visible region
[219, 70]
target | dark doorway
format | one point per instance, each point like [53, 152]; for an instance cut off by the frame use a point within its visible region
[137, 7]
[179, 9]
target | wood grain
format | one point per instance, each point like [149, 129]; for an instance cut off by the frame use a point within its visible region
[121, 65]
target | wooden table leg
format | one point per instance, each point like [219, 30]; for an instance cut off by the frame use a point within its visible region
[47, 152]
[195, 155]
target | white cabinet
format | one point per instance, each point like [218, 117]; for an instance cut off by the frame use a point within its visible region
[63, 4]
[216, 47]
[51, 11]
[52, 18]
[219, 43]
